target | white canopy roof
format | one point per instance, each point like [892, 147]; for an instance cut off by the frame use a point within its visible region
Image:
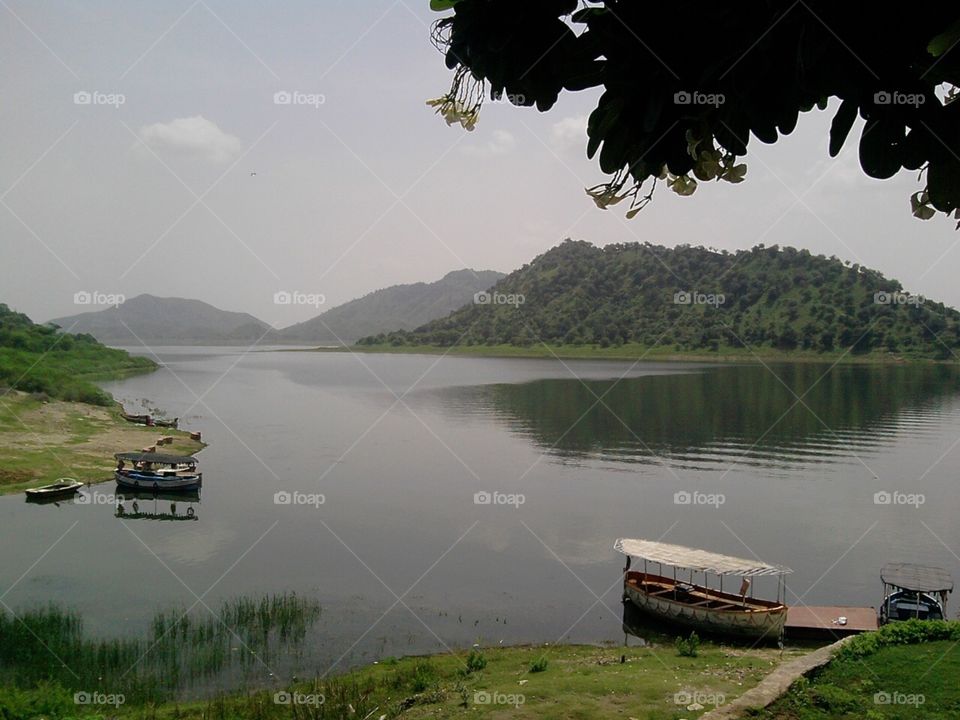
[694, 559]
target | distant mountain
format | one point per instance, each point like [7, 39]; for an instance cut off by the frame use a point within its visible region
[166, 321]
[692, 298]
[400, 307]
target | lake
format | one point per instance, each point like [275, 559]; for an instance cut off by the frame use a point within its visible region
[430, 502]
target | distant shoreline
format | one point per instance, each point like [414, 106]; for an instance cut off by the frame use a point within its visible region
[633, 353]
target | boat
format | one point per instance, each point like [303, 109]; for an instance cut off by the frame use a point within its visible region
[167, 423]
[138, 419]
[698, 606]
[914, 592]
[157, 471]
[62, 488]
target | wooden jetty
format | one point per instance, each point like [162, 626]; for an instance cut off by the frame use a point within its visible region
[824, 621]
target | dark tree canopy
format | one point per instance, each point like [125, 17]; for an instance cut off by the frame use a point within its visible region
[686, 84]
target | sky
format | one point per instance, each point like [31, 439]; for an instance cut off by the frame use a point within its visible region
[145, 149]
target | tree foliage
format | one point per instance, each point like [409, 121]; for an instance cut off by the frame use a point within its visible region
[686, 84]
[693, 298]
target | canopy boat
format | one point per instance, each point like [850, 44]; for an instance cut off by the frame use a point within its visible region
[914, 592]
[698, 606]
[62, 488]
[157, 471]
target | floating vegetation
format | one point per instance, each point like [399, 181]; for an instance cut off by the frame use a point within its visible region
[182, 648]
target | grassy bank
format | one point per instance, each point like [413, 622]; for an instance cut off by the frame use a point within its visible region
[582, 682]
[632, 351]
[42, 440]
[905, 670]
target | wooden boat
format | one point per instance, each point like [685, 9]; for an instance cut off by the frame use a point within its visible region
[62, 488]
[698, 606]
[167, 423]
[157, 471]
[914, 592]
[138, 419]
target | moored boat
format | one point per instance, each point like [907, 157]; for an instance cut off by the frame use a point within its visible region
[914, 592]
[63, 487]
[157, 471]
[697, 605]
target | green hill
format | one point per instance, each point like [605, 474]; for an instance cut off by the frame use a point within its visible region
[40, 358]
[695, 299]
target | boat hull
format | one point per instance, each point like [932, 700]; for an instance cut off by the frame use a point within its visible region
[143, 481]
[57, 490]
[908, 605]
[763, 620]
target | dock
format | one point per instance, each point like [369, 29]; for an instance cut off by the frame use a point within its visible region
[823, 621]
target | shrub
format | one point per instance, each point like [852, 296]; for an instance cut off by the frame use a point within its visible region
[689, 647]
[424, 675]
[476, 661]
[538, 665]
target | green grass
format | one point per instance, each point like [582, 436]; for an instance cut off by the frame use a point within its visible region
[633, 351]
[582, 682]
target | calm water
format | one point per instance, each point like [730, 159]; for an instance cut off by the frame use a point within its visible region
[401, 557]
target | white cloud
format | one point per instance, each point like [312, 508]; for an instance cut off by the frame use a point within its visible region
[500, 143]
[195, 136]
[570, 133]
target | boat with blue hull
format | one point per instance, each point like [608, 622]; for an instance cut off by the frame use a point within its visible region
[158, 472]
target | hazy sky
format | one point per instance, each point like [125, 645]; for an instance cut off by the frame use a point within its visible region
[365, 189]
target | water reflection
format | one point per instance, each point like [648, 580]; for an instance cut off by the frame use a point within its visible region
[779, 416]
[147, 505]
